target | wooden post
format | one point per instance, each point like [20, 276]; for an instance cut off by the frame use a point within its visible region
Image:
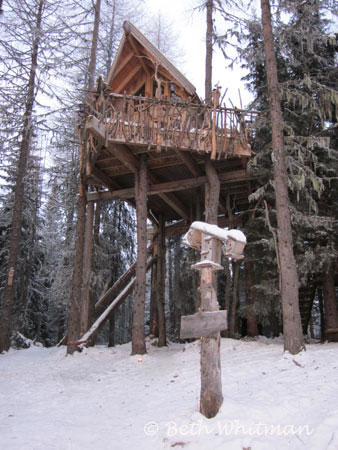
[141, 187]
[211, 382]
[153, 293]
[87, 264]
[161, 284]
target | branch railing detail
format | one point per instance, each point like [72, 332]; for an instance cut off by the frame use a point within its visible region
[159, 123]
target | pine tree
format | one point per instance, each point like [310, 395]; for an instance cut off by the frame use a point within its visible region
[17, 217]
[305, 57]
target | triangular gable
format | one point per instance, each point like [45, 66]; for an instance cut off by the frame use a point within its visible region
[135, 57]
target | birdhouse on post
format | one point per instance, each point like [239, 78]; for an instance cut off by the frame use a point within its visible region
[209, 320]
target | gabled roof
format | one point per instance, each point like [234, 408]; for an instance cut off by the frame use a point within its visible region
[131, 30]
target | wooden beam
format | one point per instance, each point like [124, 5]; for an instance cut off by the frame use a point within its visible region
[137, 53]
[189, 162]
[103, 179]
[169, 186]
[122, 65]
[126, 156]
[128, 78]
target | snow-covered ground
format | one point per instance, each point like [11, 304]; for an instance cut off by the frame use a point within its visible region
[106, 399]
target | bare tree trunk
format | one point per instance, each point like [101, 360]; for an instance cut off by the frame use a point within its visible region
[15, 236]
[234, 306]
[141, 187]
[211, 381]
[252, 325]
[321, 312]
[110, 46]
[95, 39]
[293, 336]
[208, 55]
[74, 324]
[87, 256]
[97, 222]
[330, 305]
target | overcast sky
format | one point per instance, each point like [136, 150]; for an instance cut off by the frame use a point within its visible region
[190, 26]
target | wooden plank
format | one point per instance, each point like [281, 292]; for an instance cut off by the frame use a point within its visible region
[100, 178]
[96, 127]
[127, 79]
[190, 163]
[126, 156]
[203, 324]
[123, 64]
[137, 52]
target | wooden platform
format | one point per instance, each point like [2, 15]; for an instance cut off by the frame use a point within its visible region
[117, 134]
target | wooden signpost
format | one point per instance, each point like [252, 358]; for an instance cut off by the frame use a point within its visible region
[209, 321]
[203, 324]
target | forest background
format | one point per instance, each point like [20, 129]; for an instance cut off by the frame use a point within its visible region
[44, 77]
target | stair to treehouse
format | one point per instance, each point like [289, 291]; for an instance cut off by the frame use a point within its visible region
[111, 300]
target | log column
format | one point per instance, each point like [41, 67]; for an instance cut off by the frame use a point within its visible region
[211, 382]
[161, 284]
[87, 265]
[141, 187]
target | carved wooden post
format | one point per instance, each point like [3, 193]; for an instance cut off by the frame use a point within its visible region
[209, 321]
[211, 381]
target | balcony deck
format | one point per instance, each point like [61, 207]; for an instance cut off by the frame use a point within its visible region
[152, 123]
[177, 137]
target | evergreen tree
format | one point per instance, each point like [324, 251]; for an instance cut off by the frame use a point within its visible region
[305, 52]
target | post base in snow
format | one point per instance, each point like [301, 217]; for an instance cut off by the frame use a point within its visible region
[211, 379]
[210, 404]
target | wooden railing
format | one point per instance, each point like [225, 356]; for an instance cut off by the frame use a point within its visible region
[157, 123]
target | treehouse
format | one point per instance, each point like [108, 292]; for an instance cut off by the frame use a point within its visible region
[147, 107]
[148, 139]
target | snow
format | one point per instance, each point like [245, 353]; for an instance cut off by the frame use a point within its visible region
[106, 399]
[218, 232]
